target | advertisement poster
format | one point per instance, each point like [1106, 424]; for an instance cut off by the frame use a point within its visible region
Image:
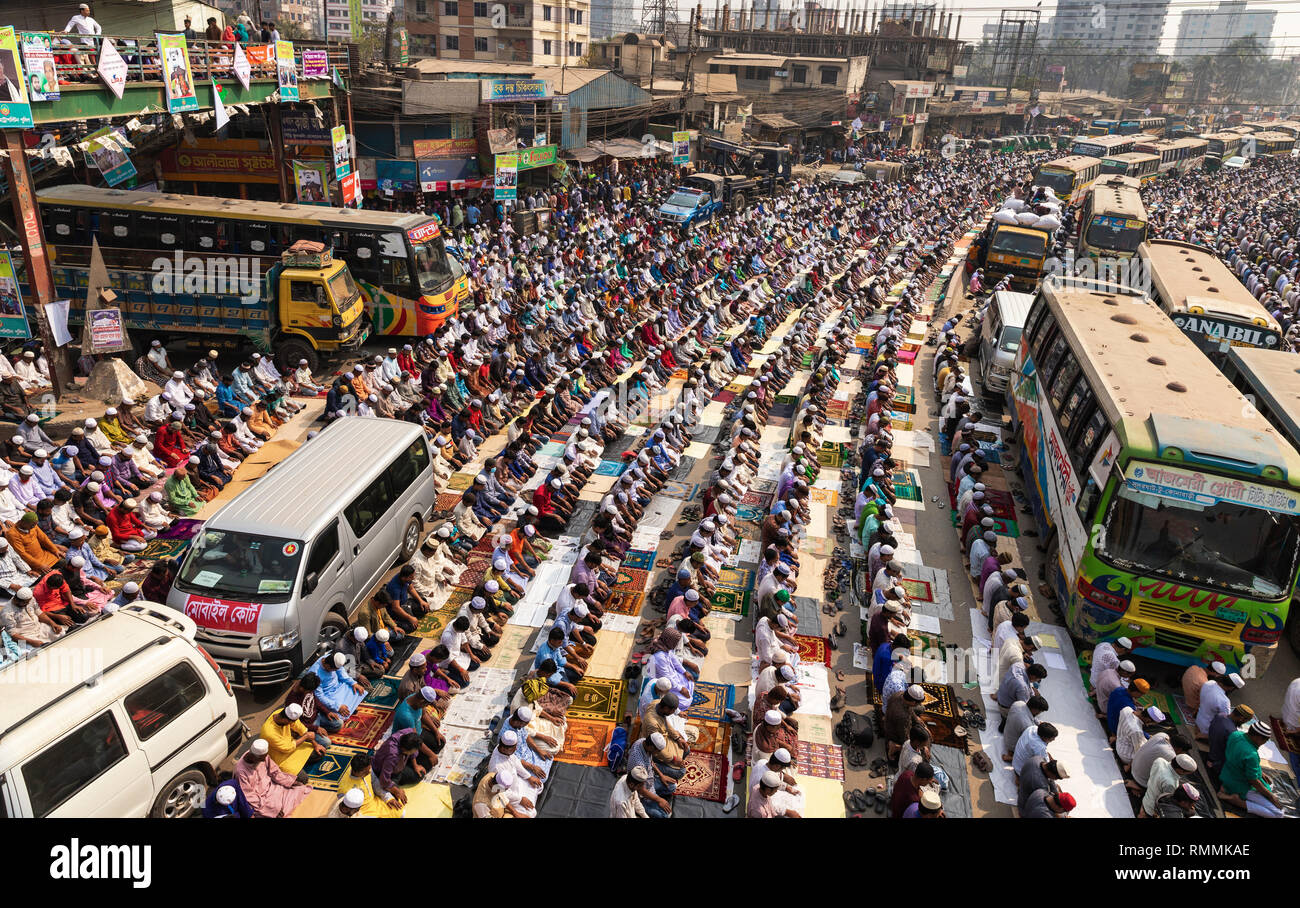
[514, 90]
[310, 184]
[42, 70]
[242, 69]
[681, 148]
[223, 614]
[13, 318]
[342, 160]
[286, 71]
[106, 331]
[506, 182]
[445, 148]
[178, 77]
[315, 63]
[260, 56]
[15, 109]
[109, 156]
[351, 185]
[112, 68]
[403, 47]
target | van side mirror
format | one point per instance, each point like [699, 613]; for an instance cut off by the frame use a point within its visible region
[310, 582]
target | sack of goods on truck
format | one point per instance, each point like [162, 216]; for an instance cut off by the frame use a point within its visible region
[1026, 218]
[1005, 216]
[1048, 222]
[1014, 204]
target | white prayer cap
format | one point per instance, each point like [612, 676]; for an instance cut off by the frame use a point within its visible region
[130, 587]
[771, 780]
[930, 799]
[1185, 762]
[505, 777]
[26, 469]
[40, 454]
[382, 635]
[1125, 642]
[916, 692]
[1236, 680]
[658, 741]
[360, 633]
[781, 755]
[293, 712]
[1218, 668]
[260, 747]
[417, 659]
[692, 595]
[503, 539]
[74, 533]
[886, 550]
[1155, 714]
[1127, 666]
[478, 602]
[524, 714]
[226, 795]
[509, 738]
[663, 685]
[354, 798]
[492, 586]
[340, 660]
[77, 561]
[773, 717]
[1010, 575]
[23, 594]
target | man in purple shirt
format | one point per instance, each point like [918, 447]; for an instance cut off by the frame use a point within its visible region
[124, 476]
[395, 765]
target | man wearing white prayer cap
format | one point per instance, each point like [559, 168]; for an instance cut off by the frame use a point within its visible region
[1195, 677]
[270, 791]
[349, 805]
[766, 799]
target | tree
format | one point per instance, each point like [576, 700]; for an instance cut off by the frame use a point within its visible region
[295, 31]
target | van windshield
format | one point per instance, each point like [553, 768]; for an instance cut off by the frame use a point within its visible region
[1010, 340]
[241, 566]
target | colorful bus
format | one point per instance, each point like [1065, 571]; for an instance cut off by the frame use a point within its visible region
[1219, 146]
[1170, 512]
[1269, 143]
[1205, 299]
[1069, 177]
[1152, 126]
[1287, 127]
[1102, 146]
[1103, 127]
[409, 282]
[1113, 222]
[1136, 164]
[1176, 155]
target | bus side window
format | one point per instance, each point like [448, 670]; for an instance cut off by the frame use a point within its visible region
[255, 239]
[1088, 499]
[362, 254]
[1039, 323]
[67, 226]
[115, 229]
[1055, 351]
[146, 231]
[1061, 384]
[1076, 407]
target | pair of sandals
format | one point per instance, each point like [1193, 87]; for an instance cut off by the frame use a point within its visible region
[855, 755]
[838, 698]
[859, 801]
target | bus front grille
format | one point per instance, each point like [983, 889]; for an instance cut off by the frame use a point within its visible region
[1172, 614]
[1178, 643]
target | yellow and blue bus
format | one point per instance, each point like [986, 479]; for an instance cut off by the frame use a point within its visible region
[1069, 177]
[1136, 164]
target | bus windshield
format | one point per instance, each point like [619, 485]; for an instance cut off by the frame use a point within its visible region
[1060, 182]
[1089, 149]
[1115, 234]
[432, 269]
[1244, 550]
[1028, 245]
[240, 566]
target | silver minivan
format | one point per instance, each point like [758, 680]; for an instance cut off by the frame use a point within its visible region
[276, 573]
[1000, 338]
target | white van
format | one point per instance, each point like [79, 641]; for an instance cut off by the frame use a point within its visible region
[124, 717]
[1000, 338]
[276, 573]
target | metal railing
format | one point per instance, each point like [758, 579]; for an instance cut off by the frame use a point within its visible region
[77, 57]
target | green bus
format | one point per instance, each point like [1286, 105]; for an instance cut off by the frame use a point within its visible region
[1171, 511]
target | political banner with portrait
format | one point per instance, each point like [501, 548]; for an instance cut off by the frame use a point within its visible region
[178, 77]
[310, 182]
[106, 151]
[13, 318]
[505, 184]
[15, 109]
[42, 70]
[286, 71]
[342, 159]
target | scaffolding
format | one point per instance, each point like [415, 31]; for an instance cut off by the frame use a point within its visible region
[1014, 45]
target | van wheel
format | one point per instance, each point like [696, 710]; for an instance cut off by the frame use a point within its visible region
[177, 800]
[332, 628]
[411, 537]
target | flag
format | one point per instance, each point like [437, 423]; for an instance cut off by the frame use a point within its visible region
[337, 79]
[222, 117]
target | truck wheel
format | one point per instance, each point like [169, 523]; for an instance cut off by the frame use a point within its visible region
[176, 800]
[411, 538]
[738, 202]
[293, 350]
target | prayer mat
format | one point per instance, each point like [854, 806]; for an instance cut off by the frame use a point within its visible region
[640, 560]
[764, 485]
[1186, 715]
[579, 791]
[1003, 504]
[780, 412]
[459, 482]
[821, 761]
[713, 737]
[906, 394]
[631, 579]
[907, 486]
[736, 387]
[364, 728]
[919, 590]
[749, 514]
[705, 777]
[907, 357]
[806, 362]
[939, 699]
[485, 545]
[828, 497]
[724, 396]
[754, 499]
[184, 528]
[585, 742]
[1004, 527]
[446, 501]
[475, 570]
[164, 548]
[786, 400]
[625, 602]
[736, 578]
[813, 649]
[609, 468]
[838, 409]
[680, 373]
[682, 491]
[831, 454]
[707, 435]
[900, 421]
[682, 471]
[325, 771]
[599, 699]
[1164, 702]
[402, 651]
[730, 602]
[583, 513]
[383, 692]
[711, 701]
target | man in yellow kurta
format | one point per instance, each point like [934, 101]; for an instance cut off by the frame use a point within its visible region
[292, 743]
[359, 776]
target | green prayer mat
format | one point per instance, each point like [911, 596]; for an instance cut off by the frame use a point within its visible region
[731, 602]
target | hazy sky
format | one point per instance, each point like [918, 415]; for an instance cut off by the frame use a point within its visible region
[975, 13]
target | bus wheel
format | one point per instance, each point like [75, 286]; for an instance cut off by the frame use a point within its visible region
[292, 352]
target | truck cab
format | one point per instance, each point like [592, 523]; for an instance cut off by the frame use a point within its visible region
[1018, 251]
[319, 307]
[699, 197]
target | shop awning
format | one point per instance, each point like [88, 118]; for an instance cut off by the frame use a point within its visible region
[584, 155]
[776, 121]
